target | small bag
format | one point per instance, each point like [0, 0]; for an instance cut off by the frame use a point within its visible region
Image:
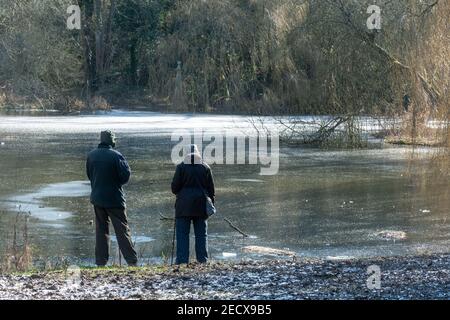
[210, 208]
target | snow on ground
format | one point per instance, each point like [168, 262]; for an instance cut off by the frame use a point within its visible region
[425, 277]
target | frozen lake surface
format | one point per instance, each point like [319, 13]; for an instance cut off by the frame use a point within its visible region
[322, 203]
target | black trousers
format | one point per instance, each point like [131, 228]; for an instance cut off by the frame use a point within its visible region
[118, 217]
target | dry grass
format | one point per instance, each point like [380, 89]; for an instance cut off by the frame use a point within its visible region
[18, 256]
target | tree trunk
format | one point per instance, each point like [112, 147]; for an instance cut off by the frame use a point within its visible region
[99, 47]
[107, 50]
[133, 62]
[89, 49]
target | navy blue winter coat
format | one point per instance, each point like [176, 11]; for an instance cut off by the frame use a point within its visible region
[190, 183]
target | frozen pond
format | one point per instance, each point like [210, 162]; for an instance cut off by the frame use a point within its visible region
[327, 203]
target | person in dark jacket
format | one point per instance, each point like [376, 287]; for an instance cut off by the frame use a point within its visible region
[193, 178]
[108, 171]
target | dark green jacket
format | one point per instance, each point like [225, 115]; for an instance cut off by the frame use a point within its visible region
[108, 171]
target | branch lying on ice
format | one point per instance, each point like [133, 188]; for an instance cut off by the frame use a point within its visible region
[234, 227]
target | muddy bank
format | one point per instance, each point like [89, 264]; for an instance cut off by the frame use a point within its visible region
[424, 277]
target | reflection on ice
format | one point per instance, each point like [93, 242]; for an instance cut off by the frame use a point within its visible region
[153, 122]
[229, 255]
[121, 121]
[339, 258]
[136, 239]
[246, 180]
[33, 202]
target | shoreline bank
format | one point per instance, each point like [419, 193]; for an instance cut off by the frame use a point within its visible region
[411, 277]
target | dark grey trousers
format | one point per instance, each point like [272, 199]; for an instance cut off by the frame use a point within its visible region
[118, 217]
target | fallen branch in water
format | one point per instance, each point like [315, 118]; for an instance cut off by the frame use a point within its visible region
[245, 235]
[163, 217]
[235, 228]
